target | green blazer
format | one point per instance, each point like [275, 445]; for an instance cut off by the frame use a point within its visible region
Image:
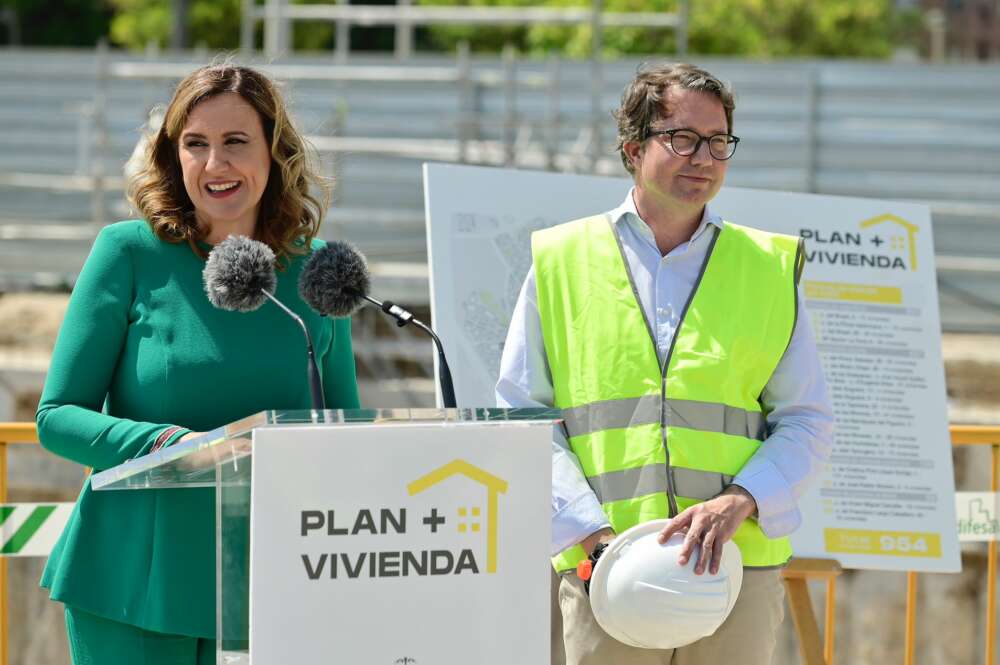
[142, 349]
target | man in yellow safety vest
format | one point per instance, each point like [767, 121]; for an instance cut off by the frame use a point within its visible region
[675, 344]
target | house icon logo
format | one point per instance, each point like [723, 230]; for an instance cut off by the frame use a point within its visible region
[470, 518]
[979, 510]
[903, 238]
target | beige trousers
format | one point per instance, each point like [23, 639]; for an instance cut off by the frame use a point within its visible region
[747, 637]
[558, 650]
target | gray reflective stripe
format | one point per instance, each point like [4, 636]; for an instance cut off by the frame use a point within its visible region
[612, 414]
[652, 478]
[701, 485]
[800, 262]
[714, 417]
[629, 483]
[645, 410]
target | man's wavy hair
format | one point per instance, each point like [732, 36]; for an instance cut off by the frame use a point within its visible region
[292, 205]
[643, 100]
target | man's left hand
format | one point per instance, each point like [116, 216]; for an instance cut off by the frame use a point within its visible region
[710, 524]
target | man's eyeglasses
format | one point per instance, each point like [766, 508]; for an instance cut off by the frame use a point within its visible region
[686, 142]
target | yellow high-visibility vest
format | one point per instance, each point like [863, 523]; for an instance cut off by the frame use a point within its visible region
[654, 440]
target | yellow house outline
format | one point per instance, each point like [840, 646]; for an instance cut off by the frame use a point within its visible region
[493, 485]
[911, 230]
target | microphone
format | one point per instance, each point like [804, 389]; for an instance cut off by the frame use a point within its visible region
[335, 282]
[239, 277]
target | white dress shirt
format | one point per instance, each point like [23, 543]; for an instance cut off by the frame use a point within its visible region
[800, 420]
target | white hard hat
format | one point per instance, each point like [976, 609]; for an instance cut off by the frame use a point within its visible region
[642, 597]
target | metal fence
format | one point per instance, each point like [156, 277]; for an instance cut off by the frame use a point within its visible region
[278, 16]
[69, 120]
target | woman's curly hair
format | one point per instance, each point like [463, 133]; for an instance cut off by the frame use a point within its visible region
[295, 198]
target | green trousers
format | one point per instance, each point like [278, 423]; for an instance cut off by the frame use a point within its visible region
[97, 641]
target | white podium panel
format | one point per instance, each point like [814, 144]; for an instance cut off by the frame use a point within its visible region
[400, 543]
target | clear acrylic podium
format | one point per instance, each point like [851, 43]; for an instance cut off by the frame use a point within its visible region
[223, 459]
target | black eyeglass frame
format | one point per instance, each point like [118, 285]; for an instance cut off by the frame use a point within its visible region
[735, 140]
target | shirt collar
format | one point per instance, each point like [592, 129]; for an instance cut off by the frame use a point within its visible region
[627, 213]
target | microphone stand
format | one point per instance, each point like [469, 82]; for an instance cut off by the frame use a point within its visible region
[315, 384]
[404, 317]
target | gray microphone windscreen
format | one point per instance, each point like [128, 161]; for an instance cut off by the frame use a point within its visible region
[335, 279]
[238, 269]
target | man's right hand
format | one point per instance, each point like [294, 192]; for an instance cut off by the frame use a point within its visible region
[605, 535]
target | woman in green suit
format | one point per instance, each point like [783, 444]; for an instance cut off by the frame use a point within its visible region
[143, 361]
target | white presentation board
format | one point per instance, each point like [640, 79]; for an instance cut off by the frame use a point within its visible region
[886, 500]
[392, 543]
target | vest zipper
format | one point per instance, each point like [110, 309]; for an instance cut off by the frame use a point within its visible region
[671, 493]
[672, 509]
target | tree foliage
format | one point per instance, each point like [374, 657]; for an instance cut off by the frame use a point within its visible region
[212, 23]
[747, 28]
[215, 24]
[58, 22]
